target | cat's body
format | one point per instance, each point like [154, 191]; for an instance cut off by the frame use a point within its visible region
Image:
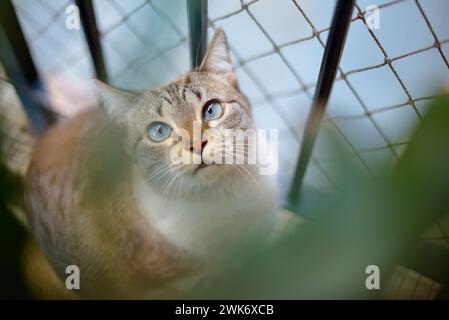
[106, 238]
[133, 232]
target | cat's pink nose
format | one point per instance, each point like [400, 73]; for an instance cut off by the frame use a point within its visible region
[198, 146]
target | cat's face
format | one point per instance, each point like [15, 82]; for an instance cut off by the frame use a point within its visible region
[198, 103]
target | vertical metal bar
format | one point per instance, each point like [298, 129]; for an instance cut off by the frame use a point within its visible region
[329, 65]
[89, 23]
[197, 15]
[21, 70]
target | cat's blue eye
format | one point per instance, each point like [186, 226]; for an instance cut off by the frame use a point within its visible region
[159, 131]
[212, 111]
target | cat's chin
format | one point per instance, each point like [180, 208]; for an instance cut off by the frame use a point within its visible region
[208, 173]
[220, 175]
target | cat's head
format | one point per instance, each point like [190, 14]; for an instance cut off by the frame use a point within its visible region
[207, 98]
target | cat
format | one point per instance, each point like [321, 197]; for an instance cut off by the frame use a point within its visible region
[102, 193]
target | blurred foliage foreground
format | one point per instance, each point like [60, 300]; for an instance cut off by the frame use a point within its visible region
[12, 235]
[364, 222]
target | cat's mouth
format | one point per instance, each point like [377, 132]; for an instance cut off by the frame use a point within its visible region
[201, 166]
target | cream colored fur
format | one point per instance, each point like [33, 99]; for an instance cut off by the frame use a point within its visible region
[136, 225]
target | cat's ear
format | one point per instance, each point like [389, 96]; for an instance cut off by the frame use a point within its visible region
[115, 101]
[218, 58]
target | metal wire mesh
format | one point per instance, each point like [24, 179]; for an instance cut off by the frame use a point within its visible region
[150, 51]
[410, 284]
[344, 76]
[157, 51]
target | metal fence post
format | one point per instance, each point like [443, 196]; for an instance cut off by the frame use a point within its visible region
[21, 70]
[197, 15]
[88, 20]
[329, 64]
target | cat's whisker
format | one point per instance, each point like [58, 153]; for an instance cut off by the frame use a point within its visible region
[176, 187]
[160, 171]
[179, 188]
[160, 175]
[249, 173]
[241, 168]
[168, 186]
[173, 183]
[242, 154]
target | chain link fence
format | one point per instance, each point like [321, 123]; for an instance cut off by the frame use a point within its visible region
[386, 77]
